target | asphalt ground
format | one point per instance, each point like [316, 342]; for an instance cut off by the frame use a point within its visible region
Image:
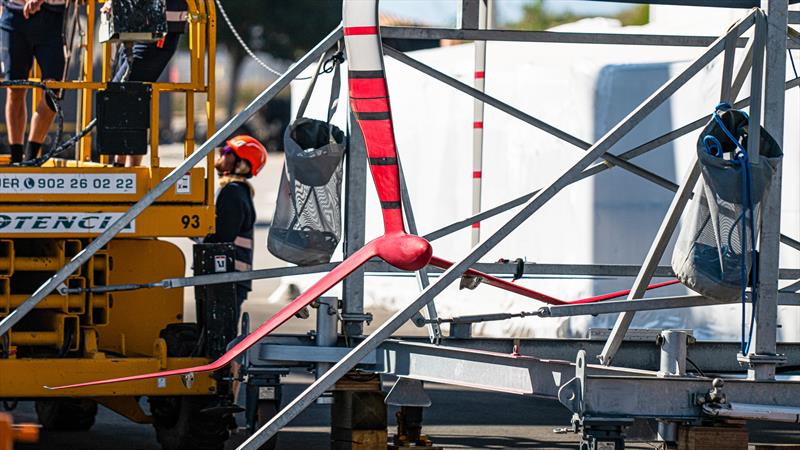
[458, 419]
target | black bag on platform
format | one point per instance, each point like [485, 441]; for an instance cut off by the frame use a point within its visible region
[307, 224]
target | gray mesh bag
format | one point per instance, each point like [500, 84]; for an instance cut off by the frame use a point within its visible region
[715, 252]
[307, 224]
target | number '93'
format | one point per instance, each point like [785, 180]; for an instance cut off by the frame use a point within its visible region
[192, 221]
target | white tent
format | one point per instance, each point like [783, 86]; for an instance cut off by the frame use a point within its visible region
[610, 218]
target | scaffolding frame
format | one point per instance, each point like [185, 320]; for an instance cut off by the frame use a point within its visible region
[589, 393]
[587, 390]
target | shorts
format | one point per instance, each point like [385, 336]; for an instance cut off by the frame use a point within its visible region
[149, 60]
[39, 37]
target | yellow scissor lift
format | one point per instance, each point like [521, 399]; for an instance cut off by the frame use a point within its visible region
[49, 213]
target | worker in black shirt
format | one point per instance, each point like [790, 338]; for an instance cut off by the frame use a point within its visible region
[149, 59]
[30, 28]
[242, 157]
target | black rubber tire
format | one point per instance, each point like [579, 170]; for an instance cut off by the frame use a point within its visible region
[179, 421]
[181, 339]
[181, 425]
[66, 414]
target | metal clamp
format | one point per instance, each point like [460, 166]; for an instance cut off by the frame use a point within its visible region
[754, 359]
[357, 317]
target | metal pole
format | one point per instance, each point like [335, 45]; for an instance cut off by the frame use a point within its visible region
[668, 225]
[454, 272]
[651, 262]
[326, 328]
[355, 194]
[552, 37]
[434, 330]
[598, 168]
[762, 356]
[672, 363]
[477, 120]
[673, 353]
[527, 118]
[213, 142]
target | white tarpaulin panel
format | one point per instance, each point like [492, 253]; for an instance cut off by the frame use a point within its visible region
[610, 218]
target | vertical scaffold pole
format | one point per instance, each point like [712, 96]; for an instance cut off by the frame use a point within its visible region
[484, 22]
[762, 357]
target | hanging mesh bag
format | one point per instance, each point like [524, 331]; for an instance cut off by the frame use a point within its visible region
[715, 252]
[307, 224]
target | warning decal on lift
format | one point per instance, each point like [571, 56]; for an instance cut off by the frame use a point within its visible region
[220, 263]
[67, 183]
[59, 222]
[184, 185]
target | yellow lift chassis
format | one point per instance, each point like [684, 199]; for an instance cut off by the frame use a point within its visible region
[49, 213]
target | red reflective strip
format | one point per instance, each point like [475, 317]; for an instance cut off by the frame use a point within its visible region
[367, 87]
[479, 74]
[477, 174]
[476, 225]
[360, 31]
[477, 124]
[370, 105]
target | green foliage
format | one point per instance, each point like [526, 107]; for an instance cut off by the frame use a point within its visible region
[638, 15]
[536, 17]
[283, 28]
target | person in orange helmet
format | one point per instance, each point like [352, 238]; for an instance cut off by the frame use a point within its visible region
[241, 158]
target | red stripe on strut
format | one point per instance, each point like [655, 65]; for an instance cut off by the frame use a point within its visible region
[370, 105]
[479, 74]
[476, 225]
[367, 88]
[360, 31]
[477, 174]
[477, 125]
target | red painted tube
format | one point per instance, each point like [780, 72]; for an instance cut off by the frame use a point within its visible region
[530, 293]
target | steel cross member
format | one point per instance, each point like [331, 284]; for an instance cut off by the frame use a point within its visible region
[361, 19]
[679, 202]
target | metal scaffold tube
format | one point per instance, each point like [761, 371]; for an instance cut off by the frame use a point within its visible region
[364, 16]
[484, 22]
[679, 202]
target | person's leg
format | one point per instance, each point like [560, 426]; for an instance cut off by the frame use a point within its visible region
[151, 58]
[50, 56]
[241, 296]
[20, 60]
[41, 120]
[133, 160]
[149, 61]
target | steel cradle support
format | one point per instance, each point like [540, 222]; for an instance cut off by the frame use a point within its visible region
[560, 181]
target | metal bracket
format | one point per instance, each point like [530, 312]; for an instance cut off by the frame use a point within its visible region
[571, 394]
[408, 392]
[356, 317]
[754, 359]
[62, 289]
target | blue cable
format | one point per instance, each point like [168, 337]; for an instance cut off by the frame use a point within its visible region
[714, 147]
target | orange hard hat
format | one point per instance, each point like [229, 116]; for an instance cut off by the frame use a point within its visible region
[249, 149]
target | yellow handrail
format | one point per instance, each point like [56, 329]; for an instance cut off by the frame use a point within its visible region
[202, 54]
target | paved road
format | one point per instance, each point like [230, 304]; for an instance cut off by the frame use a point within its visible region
[458, 419]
